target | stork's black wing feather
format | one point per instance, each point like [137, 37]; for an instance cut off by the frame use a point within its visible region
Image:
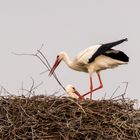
[104, 47]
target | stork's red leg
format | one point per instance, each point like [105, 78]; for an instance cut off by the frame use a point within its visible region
[101, 85]
[91, 87]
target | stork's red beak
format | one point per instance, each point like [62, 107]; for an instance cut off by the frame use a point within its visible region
[54, 67]
[79, 95]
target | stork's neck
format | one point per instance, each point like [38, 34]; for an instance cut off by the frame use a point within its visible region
[67, 60]
[71, 63]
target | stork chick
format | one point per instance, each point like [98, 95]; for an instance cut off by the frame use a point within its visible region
[72, 92]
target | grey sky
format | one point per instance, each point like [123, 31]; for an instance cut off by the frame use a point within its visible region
[67, 26]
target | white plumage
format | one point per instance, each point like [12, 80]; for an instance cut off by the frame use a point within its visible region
[86, 54]
[94, 59]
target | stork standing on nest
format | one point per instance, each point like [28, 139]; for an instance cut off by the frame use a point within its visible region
[94, 59]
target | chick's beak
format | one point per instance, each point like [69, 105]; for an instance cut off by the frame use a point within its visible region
[57, 62]
[78, 94]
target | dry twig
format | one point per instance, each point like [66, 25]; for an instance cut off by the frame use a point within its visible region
[44, 61]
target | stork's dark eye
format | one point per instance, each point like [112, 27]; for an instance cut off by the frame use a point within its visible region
[57, 56]
[73, 88]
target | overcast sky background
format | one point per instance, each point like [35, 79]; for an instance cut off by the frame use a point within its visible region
[69, 26]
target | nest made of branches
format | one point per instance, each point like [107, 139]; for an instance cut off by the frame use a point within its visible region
[54, 118]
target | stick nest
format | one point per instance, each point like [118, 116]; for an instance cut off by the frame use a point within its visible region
[56, 118]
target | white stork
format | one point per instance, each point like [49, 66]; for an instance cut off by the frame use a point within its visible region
[72, 92]
[94, 59]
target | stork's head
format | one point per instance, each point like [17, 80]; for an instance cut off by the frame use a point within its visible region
[59, 58]
[71, 90]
